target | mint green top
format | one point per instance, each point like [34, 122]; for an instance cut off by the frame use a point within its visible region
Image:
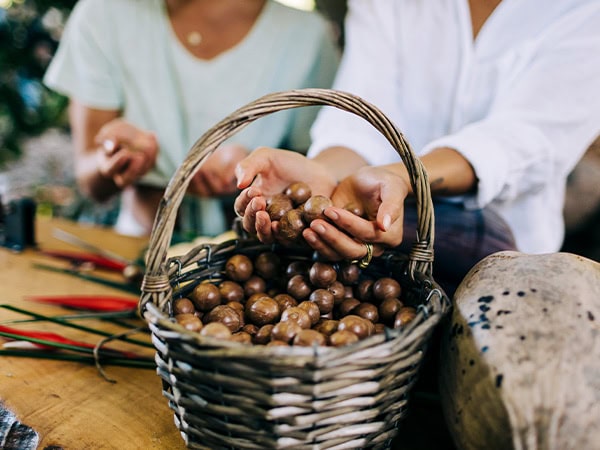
[123, 54]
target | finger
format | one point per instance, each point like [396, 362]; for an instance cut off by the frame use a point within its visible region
[314, 240]
[391, 208]
[132, 172]
[241, 202]
[350, 223]
[114, 164]
[255, 206]
[334, 241]
[248, 168]
[264, 227]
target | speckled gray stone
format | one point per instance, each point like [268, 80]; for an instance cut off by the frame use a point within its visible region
[520, 362]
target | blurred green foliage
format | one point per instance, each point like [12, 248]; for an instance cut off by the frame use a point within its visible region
[29, 34]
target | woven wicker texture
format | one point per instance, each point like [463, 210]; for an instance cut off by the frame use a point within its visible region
[234, 396]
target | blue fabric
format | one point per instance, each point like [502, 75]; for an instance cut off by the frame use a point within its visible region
[463, 237]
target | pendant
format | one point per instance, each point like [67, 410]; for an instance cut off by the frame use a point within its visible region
[194, 38]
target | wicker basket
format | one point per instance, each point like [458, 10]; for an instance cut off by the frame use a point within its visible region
[228, 395]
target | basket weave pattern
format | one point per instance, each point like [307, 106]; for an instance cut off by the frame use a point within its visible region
[234, 396]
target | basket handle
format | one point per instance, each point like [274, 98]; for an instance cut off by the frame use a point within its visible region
[156, 287]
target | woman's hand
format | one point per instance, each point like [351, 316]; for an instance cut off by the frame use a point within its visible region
[126, 152]
[268, 171]
[376, 192]
[217, 174]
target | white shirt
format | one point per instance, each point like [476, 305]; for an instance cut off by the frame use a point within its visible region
[123, 54]
[521, 102]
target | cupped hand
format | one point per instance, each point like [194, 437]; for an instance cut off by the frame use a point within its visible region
[268, 171]
[216, 176]
[376, 192]
[126, 152]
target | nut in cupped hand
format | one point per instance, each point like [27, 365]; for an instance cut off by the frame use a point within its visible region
[295, 208]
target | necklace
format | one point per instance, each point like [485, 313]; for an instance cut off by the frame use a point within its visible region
[194, 38]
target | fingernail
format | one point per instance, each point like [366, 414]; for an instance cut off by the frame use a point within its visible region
[318, 228]
[387, 221]
[310, 237]
[332, 214]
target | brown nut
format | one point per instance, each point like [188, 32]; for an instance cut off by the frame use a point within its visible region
[298, 287]
[357, 325]
[251, 329]
[404, 316]
[388, 309]
[297, 268]
[367, 311]
[298, 192]
[189, 322]
[254, 285]
[386, 287]
[312, 309]
[291, 226]
[263, 335]
[347, 306]
[278, 205]
[326, 326]
[277, 344]
[239, 267]
[237, 306]
[341, 338]
[205, 296]
[183, 306]
[285, 301]
[309, 338]
[338, 290]
[355, 208]
[216, 330]
[263, 311]
[225, 315]
[323, 299]
[267, 265]
[364, 290]
[231, 291]
[348, 273]
[321, 274]
[285, 331]
[242, 337]
[297, 314]
[313, 208]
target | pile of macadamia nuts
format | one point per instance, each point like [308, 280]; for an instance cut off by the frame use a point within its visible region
[295, 208]
[266, 300]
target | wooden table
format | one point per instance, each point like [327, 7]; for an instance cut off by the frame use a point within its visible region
[68, 403]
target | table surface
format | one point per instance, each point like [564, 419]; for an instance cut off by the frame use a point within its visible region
[70, 404]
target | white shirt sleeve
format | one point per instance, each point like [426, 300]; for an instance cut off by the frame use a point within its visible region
[368, 38]
[542, 120]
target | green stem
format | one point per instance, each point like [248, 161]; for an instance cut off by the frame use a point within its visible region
[136, 363]
[114, 284]
[73, 325]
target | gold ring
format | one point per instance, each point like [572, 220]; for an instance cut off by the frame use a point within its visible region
[364, 262]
